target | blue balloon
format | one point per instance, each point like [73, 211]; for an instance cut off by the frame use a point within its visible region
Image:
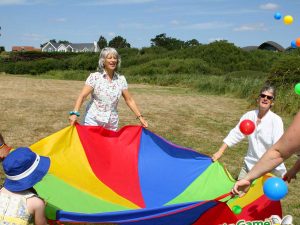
[277, 15]
[275, 188]
[293, 44]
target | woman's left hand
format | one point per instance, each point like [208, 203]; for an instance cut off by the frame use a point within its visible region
[241, 187]
[143, 122]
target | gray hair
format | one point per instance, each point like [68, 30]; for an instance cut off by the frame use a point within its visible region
[269, 88]
[104, 53]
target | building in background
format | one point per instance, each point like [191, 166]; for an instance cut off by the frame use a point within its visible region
[70, 47]
[25, 49]
[268, 45]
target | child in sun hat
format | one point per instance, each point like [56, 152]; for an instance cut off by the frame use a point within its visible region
[18, 202]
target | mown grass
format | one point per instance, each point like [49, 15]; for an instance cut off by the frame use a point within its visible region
[240, 84]
[32, 109]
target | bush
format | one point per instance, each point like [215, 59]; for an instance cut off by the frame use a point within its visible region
[285, 71]
[87, 61]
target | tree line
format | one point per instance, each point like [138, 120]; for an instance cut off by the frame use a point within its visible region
[160, 40]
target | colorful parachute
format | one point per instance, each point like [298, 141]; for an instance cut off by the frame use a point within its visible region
[134, 176]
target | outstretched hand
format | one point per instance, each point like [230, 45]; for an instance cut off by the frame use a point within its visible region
[216, 156]
[143, 122]
[72, 119]
[241, 187]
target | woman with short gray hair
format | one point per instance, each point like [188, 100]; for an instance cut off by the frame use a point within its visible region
[106, 87]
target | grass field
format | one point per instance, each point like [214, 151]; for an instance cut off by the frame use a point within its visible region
[31, 109]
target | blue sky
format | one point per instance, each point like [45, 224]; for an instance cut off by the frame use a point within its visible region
[244, 23]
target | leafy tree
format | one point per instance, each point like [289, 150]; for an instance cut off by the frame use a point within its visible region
[169, 43]
[102, 42]
[119, 42]
[192, 43]
[285, 71]
[63, 42]
[2, 49]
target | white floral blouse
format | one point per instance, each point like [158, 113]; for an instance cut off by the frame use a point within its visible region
[13, 208]
[102, 108]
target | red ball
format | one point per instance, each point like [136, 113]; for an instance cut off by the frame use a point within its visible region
[247, 127]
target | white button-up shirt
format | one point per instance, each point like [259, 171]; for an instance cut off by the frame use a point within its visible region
[102, 107]
[266, 133]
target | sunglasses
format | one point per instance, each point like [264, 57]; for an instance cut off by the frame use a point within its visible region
[268, 96]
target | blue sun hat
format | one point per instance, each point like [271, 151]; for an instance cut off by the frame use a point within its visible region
[23, 169]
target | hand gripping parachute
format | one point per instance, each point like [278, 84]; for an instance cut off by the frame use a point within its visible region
[134, 176]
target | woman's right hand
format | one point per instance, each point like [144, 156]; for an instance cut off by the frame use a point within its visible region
[72, 119]
[217, 155]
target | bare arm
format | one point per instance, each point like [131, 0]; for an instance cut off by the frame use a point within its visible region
[86, 90]
[132, 105]
[287, 145]
[234, 137]
[36, 207]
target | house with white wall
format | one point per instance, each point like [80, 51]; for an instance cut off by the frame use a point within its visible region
[70, 47]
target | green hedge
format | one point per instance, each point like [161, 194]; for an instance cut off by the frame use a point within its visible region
[215, 59]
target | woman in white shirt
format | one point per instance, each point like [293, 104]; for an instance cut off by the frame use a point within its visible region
[106, 87]
[268, 130]
[287, 145]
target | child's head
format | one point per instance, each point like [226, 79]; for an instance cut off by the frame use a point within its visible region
[23, 169]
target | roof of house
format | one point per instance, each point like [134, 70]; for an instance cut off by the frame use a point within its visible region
[56, 45]
[25, 48]
[273, 44]
[81, 46]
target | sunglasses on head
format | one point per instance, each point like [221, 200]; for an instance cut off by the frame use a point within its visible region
[268, 96]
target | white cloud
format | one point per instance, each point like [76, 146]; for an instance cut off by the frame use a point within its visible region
[23, 2]
[175, 22]
[269, 6]
[59, 20]
[31, 37]
[131, 25]
[208, 25]
[12, 2]
[251, 27]
[115, 2]
[139, 26]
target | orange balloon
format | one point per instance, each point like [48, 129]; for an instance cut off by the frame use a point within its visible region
[298, 42]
